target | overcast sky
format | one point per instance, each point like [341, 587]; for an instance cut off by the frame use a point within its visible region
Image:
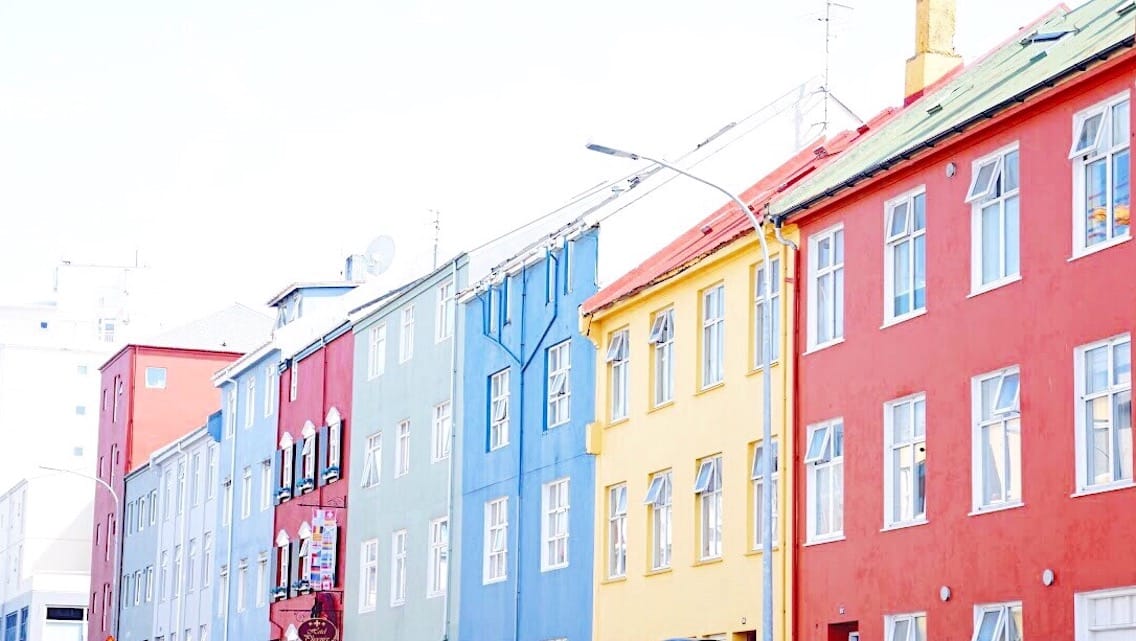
[239, 146]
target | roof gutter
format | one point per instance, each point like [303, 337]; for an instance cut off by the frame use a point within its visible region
[906, 154]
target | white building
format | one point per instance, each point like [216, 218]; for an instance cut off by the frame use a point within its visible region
[45, 558]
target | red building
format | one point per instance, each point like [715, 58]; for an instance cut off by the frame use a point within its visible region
[311, 473]
[965, 382]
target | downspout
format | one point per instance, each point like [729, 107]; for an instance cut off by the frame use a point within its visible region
[453, 455]
[788, 426]
[184, 526]
[232, 521]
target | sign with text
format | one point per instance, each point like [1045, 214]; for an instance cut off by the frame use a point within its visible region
[318, 630]
[325, 531]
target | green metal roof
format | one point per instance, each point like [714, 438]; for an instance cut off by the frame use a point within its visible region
[1003, 78]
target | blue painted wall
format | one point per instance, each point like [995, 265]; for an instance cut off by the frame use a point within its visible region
[140, 554]
[513, 326]
[251, 537]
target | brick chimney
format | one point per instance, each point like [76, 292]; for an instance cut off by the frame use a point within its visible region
[935, 53]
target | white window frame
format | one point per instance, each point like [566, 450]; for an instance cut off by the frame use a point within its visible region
[1002, 612]
[916, 627]
[993, 194]
[1084, 624]
[559, 367]
[334, 440]
[495, 567]
[398, 568]
[246, 492]
[402, 449]
[406, 334]
[662, 338]
[1114, 389]
[369, 575]
[250, 400]
[441, 431]
[271, 382]
[231, 412]
[261, 579]
[227, 502]
[909, 236]
[555, 504]
[833, 270]
[283, 560]
[223, 593]
[713, 335]
[242, 584]
[1006, 419]
[617, 531]
[757, 483]
[308, 436]
[444, 315]
[660, 505]
[376, 351]
[708, 488]
[305, 554]
[206, 559]
[821, 459]
[210, 478]
[1103, 148]
[158, 381]
[774, 312]
[265, 485]
[373, 461]
[618, 358]
[294, 381]
[905, 506]
[499, 410]
[438, 563]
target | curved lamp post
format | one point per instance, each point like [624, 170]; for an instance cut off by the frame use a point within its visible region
[766, 386]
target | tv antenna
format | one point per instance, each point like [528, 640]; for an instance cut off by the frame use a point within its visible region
[829, 5]
[379, 255]
[437, 233]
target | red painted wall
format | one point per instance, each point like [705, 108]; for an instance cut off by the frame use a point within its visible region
[146, 420]
[325, 382]
[1035, 323]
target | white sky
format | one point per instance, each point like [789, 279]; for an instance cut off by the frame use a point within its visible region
[239, 146]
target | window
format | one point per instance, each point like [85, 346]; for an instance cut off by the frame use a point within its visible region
[227, 502]
[1002, 622]
[496, 534]
[305, 554]
[283, 560]
[559, 384]
[617, 359]
[191, 566]
[402, 450]
[195, 479]
[231, 412]
[334, 443]
[444, 318]
[1104, 413]
[181, 486]
[250, 400]
[206, 559]
[997, 459]
[287, 461]
[373, 463]
[499, 410]
[443, 426]
[265, 485]
[826, 287]
[210, 474]
[377, 351]
[658, 502]
[905, 256]
[993, 197]
[246, 493]
[406, 336]
[1100, 155]
[155, 378]
[261, 579]
[617, 531]
[662, 337]
[439, 557]
[708, 487]
[906, 627]
[398, 568]
[905, 461]
[757, 474]
[149, 583]
[142, 514]
[308, 453]
[294, 381]
[774, 348]
[271, 382]
[242, 584]
[554, 528]
[824, 462]
[138, 587]
[713, 335]
[369, 576]
[1105, 614]
[177, 574]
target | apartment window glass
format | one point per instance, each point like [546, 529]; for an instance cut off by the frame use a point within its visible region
[402, 450]
[191, 565]
[998, 439]
[713, 335]
[211, 472]
[496, 543]
[271, 382]
[993, 197]
[308, 453]
[195, 479]
[406, 335]
[905, 272]
[618, 363]
[334, 439]
[398, 568]
[774, 346]
[1101, 159]
[265, 485]
[441, 432]
[499, 410]
[294, 381]
[227, 502]
[377, 351]
[181, 486]
[242, 584]
[149, 583]
[905, 465]
[906, 627]
[250, 400]
[1000, 622]
[231, 412]
[662, 338]
[708, 488]
[757, 474]
[1104, 417]
[373, 463]
[176, 576]
[156, 378]
[617, 531]
[223, 592]
[444, 317]
[139, 587]
[658, 502]
[246, 493]
[559, 383]
[261, 580]
[555, 525]
[206, 559]
[369, 576]
[439, 557]
[826, 287]
[824, 462]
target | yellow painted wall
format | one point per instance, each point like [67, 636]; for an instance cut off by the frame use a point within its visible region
[692, 598]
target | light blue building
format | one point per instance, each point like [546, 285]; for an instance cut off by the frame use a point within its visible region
[139, 555]
[527, 485]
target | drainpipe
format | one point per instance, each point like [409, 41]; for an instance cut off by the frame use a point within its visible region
[453, 454]
[790, 419]
[232, 521]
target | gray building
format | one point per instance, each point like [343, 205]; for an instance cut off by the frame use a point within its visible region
[139, 554]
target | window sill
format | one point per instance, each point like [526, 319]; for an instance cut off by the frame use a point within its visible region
[759, 369]
[658, 571]
[367, 609]
[493, 581]
[1088, 251]
[991, 286]
[661, 406]
[823, 346]
[979, 511]
[614, 579]
[435, 595]
[710, 388]
[397, 604]
[830, 539]
[759, 551]
[617, 422]
[1100, 489]
[904, 318]
[904, 525]
[702, 562]
[553, 568]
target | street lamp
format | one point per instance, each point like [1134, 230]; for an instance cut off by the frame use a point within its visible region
[117, 533]
[766, 386]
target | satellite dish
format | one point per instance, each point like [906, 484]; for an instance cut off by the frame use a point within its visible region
[380, 255]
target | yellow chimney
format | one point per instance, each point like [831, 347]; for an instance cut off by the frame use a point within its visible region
[935, 53]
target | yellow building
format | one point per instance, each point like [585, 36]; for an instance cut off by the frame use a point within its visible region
[678, 410]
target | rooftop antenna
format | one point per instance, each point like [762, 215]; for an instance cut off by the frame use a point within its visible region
[437, 233]
[827, 20]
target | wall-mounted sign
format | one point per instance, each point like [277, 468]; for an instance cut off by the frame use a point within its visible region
[318, 630]
[322, 549]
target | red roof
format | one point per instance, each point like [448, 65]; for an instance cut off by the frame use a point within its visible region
[728, 222]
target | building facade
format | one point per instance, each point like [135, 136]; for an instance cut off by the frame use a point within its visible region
[527, 482]
[398, 548]
[138, 581]
[971, 482]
